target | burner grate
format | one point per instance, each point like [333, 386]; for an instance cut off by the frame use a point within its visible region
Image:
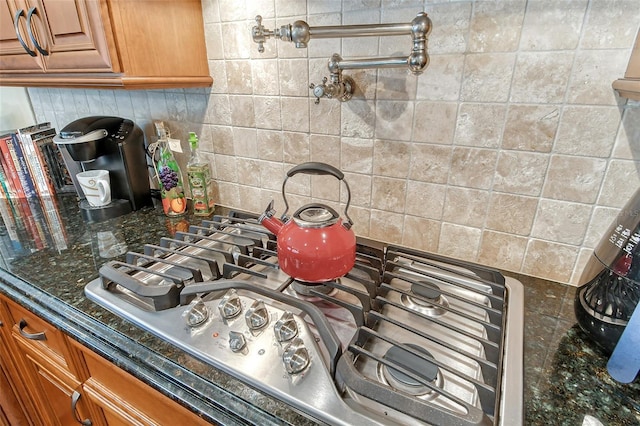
[425, 305]
[118, 277]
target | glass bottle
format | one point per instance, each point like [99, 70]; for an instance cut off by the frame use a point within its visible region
[199, 177]
[174, 202]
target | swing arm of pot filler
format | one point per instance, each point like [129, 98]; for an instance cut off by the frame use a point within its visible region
[339, 86]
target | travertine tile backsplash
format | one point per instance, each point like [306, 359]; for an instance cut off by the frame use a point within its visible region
[511, 149]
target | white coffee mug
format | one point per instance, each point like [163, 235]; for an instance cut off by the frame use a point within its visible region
[96, 187]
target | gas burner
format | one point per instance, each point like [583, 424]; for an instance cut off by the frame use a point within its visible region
[430, 300]
[423, 368]
[306, 289]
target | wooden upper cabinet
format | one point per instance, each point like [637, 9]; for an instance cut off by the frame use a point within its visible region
[131, 44]
[629, 86]
[54, 36]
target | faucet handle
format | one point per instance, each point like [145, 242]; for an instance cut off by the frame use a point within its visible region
[260, 34]
[319, 90]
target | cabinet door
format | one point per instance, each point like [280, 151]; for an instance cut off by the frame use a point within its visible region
[11, 410]
[72, 35]
[15, 404]
[13, 56]
[48, 367]
[125, 400]
[56, 393]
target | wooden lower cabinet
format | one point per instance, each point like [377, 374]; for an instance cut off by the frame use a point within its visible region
[57, 395]
[14, 400]
[12, 412]
[54, 380]
[47, 368]
[125, 400]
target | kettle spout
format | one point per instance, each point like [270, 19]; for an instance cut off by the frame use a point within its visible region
[268, 220]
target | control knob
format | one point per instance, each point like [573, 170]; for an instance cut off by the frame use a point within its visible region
[237, 342]
[295, 356]
[257, 315]
[198, 314]
[285, 328]
[230, 306]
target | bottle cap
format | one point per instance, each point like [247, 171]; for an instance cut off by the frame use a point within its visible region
[193, 140]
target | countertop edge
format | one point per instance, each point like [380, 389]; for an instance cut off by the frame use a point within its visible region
[209, 401]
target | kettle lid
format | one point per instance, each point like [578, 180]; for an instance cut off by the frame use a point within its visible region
[315, 216]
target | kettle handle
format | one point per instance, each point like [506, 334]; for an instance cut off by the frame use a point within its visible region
[317, 168]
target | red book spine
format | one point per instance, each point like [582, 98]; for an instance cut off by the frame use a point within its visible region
[30, 223]
[9, 166]
[20, 201]
[7, 190]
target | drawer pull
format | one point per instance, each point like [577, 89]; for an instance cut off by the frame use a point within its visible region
[31, 336]
[75, 397]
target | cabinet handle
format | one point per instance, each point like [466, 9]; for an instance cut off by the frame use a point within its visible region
[31, 12]
[32, 336]
[75, 397]
[15, 24]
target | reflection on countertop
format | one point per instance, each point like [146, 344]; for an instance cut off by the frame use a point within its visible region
[565, 374]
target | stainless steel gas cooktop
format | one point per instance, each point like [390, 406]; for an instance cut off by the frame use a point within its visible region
[406, 337]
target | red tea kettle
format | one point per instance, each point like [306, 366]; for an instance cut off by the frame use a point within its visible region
[314, 245]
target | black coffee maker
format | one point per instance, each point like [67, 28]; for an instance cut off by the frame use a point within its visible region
[604, 305]
[107, 143]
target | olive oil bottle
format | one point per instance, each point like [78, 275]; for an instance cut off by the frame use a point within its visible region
[199, 177]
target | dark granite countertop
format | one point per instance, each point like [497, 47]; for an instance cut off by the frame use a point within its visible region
[565, 374]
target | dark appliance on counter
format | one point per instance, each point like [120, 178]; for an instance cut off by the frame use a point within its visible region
[404, 338]
[604, 305]
[108, 143]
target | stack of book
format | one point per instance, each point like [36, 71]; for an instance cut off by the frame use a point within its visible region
[32, 173]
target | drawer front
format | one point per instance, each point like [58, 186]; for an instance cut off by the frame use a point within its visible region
[125, 397]
[115, 411]
[38, 335]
